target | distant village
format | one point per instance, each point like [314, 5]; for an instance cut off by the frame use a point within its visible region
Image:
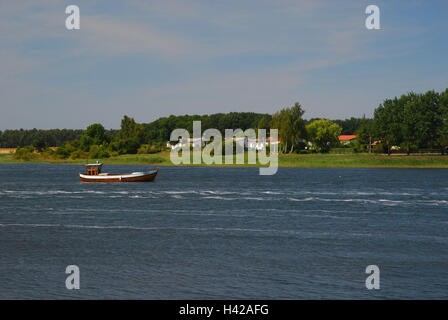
[251, 144]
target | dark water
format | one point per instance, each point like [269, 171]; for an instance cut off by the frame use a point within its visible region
[224, 233]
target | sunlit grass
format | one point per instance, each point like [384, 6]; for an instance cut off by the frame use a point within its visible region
[285, 160]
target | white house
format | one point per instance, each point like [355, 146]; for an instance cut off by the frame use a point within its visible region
[194, 142]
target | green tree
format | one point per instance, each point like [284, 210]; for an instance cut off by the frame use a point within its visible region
[129, 138]
[323, 134]
[443, 129]
[291, 127]
[365, 134]
[131, 130]
[299, 133]
[411, 121]
[263, 123]
[39, 144]
[423, 119]
[349, 126]
[388, 122]
[282, 120]
[95, 134]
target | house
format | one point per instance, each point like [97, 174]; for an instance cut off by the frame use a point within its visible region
[258, 145]
[254, 144]
[192, 142]
[346, 139]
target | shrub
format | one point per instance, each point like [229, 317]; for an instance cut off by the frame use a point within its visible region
[63, 152]
[25, 153]
[78, 154]
[380, 148]
[144, 148]
[98, 152]
[47, 153]
[148, 149]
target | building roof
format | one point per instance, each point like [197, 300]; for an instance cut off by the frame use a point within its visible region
[347, 137]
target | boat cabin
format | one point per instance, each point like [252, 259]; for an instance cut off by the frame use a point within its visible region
[93, 169]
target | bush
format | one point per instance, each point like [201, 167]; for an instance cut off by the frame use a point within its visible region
[148, 149]
[39, 144]
[47, 153]
[124, 146]
[412, 147]
[25, 153]
[62, 152]
[98, 152]
[78, 154]
[144, 148]
[380, 148]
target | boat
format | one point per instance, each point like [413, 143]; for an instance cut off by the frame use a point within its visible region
[93, 174]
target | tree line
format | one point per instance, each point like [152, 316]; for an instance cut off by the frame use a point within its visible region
[156, 131]
[46, 138]
[410, 122]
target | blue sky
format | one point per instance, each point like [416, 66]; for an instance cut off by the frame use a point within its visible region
[148, 59]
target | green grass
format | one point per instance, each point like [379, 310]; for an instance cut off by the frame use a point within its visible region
[363, 160]
[6, 158]
[289, 160]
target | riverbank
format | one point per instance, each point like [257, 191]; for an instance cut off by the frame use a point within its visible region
[285, 160]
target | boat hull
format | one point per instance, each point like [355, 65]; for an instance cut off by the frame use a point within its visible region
[132, 177]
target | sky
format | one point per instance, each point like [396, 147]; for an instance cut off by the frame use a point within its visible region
[150, 59]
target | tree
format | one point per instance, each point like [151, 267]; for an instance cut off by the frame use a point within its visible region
[349, 126]
[388, 122]
[130, 137]
[291, 126]
[365, 133]
[95, 134]
[281, 122]
[423, 119]
[299, 132]
[131, 130]
[263, 123]
[411, 121]
[443, 129]
[39, 144]
[323, 134]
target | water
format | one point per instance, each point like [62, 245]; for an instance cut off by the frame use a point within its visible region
[224, 233]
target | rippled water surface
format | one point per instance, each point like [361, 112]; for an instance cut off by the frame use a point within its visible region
[224, 233]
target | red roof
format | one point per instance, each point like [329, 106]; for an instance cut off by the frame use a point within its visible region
[347, 137]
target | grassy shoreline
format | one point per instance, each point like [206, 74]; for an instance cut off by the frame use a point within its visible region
[285, 160]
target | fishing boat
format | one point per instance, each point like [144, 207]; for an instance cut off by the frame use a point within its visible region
[93, 174]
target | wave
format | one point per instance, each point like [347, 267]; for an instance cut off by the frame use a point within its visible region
[271, 192]
[256, 198]
[305, 199]
[220, 198]
[180, 192]
[122, 227]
